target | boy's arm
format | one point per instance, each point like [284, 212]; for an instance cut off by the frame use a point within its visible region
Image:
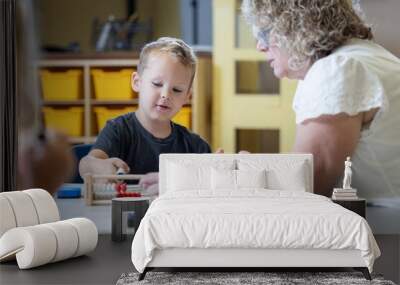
[103, 158]
[98, 162]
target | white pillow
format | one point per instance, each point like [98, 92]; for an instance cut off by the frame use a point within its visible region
[226, 179]
[281, 174]
[251, 178]
[193, 174]
[182, 177]
[223, 179]
[292, 179]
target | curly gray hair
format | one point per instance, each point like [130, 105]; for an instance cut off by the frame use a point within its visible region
[307, 29]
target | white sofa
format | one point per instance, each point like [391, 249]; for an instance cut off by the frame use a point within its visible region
[31, 231]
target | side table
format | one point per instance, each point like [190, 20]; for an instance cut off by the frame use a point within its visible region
[358, 205]
[127, 212]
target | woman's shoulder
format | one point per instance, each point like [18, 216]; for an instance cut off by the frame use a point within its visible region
[341, 58]
[357, 52]
[353, 59]
[347, 81]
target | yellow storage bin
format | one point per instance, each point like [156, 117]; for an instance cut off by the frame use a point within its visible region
[67, 120]
[103, 114]
[61, 86]
[113, 85]
[183, 117]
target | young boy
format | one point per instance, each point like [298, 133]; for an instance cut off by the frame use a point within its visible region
[134, 141]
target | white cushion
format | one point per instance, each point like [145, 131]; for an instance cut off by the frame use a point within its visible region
[230, 180]
[193, 174]
[251, 178]
[282, 173]
[182, 177]
[223, 179]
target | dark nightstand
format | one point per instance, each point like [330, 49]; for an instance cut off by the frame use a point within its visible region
[358, 206]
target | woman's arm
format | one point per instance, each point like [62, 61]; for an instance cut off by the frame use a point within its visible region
[330, 139]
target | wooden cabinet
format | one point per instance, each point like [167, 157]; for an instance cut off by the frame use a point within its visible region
[200, 104]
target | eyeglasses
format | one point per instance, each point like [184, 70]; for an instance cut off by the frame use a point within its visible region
[262, 36]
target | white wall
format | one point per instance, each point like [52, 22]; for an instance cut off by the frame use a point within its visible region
[384, 15]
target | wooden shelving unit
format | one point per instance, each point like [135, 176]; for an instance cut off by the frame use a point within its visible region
[200, 105]
[114, 102]
[64, 103]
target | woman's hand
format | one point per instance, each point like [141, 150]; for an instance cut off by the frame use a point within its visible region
[152, 190]
[149, 183]
[148, 180]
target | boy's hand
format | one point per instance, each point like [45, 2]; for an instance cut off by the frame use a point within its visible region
[110, 166]
[149, 179]
[118, 163]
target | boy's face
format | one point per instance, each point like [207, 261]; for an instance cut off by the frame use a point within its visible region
[163, 86]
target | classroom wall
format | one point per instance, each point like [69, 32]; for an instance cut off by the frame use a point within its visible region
[62, 22]
[385, 20]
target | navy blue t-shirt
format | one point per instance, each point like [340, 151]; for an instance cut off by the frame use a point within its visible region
[124, 137]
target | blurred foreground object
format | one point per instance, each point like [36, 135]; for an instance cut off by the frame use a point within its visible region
[44, 162]
[44, 156]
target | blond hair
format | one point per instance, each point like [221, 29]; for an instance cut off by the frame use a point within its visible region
[173, 46]
[307, 29]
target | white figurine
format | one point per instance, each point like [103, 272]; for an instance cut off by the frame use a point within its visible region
[347, 174]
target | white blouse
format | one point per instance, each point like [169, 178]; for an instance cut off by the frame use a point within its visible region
[358, 77]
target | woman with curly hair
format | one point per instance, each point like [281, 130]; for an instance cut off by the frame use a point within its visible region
[348, 98]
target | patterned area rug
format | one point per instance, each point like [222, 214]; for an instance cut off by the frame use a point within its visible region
[230, 278]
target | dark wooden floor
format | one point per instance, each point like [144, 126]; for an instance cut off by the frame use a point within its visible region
[103, 266]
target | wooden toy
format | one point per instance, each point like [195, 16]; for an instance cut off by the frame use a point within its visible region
[99, 192]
